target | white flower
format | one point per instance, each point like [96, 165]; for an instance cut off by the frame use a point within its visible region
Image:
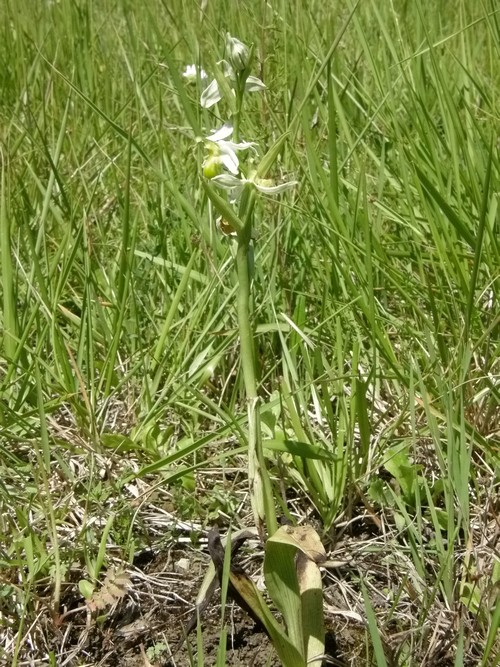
[192, 72]
[222, 152]
[211, 95]
[237, 53]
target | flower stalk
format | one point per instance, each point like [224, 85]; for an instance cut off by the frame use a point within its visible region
[261, 495]
[221, 168]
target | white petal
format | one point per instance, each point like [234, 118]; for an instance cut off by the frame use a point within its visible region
[243, 145]
[222, 133]
[211, 95]
[227, 181]
[275, 189]
[230, 161]
[253, 84]
[227, 69]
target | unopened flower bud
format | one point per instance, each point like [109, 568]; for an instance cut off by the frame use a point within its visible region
[237, 53]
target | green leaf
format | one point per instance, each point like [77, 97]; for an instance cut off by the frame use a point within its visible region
[311, 598]
[363, 417]
[270, 157]
[303, 449]
[86, 588]
[223, 208]
[103, 545]
[285, 648]
[283, 586]
[119, 443]
[455, 220]
[378, 649]
[398, 464]
[294, 584]
[492, 636]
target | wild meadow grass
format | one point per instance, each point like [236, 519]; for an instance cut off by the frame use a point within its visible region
[375, 306]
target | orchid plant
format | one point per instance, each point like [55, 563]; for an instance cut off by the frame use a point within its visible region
[293, 554]
[223, 170]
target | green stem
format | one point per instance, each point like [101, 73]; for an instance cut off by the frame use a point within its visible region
[260, 485]
[240, 92]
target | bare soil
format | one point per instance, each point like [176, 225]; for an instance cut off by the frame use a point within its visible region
[147, 628]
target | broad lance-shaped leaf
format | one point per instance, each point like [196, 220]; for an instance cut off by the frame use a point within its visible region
[294, 583]
[247, 590]
[282, 585]
[311, 598]
[245, 593]
[304, 538]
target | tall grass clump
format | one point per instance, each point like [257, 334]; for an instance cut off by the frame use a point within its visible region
[372, 303]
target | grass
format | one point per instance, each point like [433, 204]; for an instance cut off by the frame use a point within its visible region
[375, 297]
